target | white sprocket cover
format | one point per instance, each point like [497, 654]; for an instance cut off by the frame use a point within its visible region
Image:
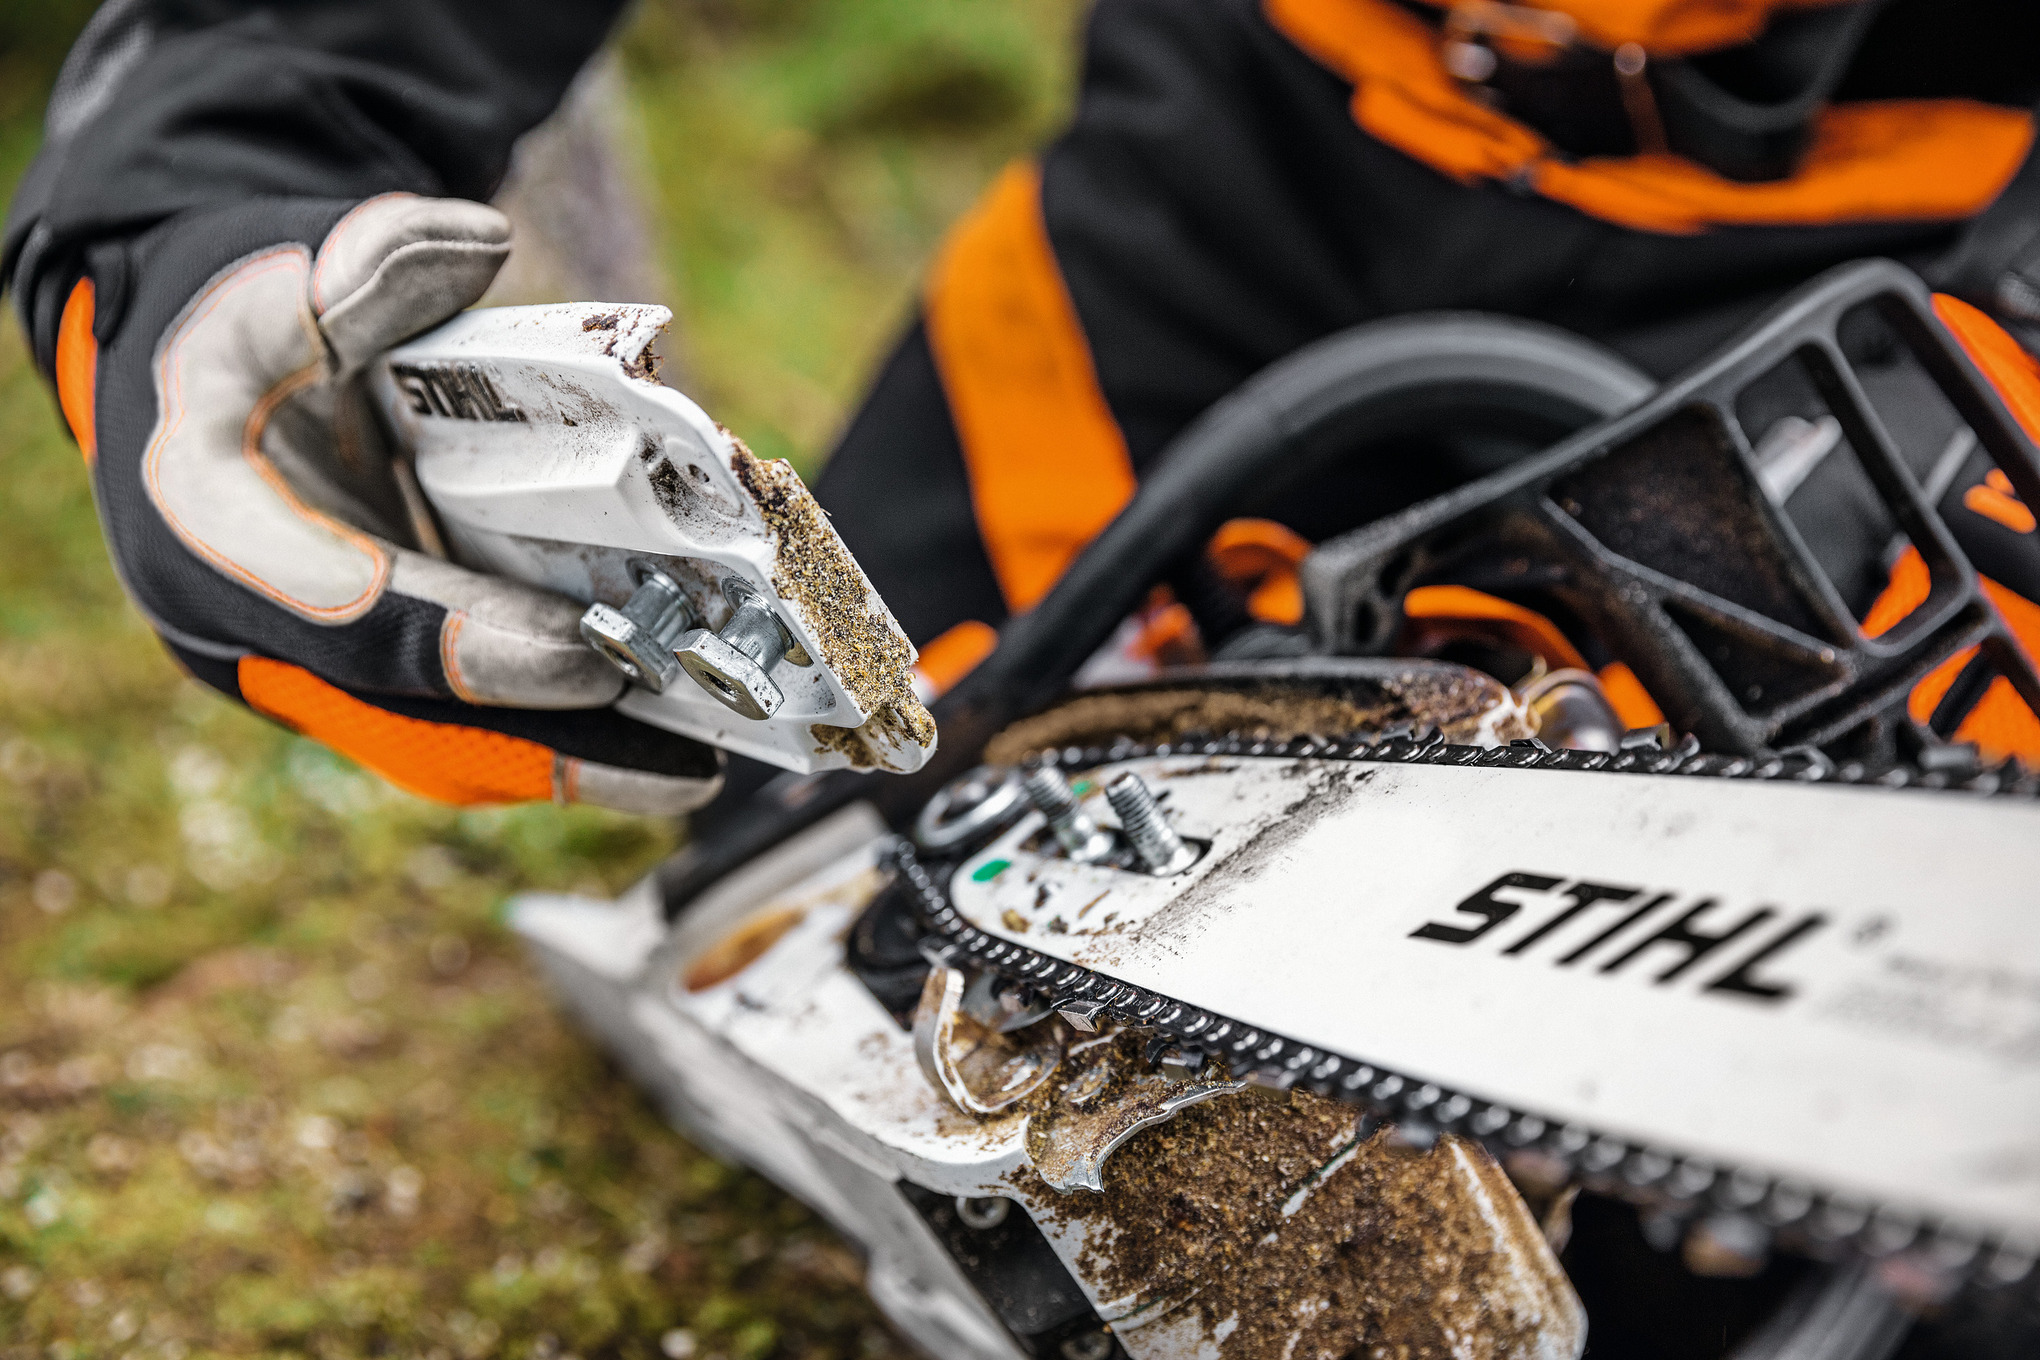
[551, 453]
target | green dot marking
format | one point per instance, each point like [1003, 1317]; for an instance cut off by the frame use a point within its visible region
[991, 869]
[1082, 787]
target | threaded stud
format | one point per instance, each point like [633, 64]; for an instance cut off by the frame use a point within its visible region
[1160, 850]
[1081, 838]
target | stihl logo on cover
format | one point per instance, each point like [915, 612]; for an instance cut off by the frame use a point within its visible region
[458, 391]
[1610, 928]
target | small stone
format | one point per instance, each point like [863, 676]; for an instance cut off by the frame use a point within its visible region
[315, 1132]
[54, 891]
[109, 1152]
[448, 955]
[366, 983]
[147, 886]
[401, 1189]
[431, 867]
[44, 1207]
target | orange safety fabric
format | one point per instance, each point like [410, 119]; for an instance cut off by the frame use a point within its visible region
[78, 369]
[1524, 628]
[1262, 557]
[955, 654]
[1168, 633]
[2010, 369]
[2000, 724]
[1994, 498]
[1048, 466]
[442, 761]
[1627, 696]
[1663, 28]
[1919, 159]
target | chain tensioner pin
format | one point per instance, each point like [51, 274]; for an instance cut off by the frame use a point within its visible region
[1082, 839]
[735, 663]
[1147, 828]
[639, 638]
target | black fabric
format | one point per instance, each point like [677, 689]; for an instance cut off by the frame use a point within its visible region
[220, 673]
[1214, 207]
[1746, 113]
[231, 100]
[898, 492]
[1939, 49]
[1996, 263]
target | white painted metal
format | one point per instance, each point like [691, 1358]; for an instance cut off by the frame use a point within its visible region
[1901, 1062]
[550, 457]
[794, 1069]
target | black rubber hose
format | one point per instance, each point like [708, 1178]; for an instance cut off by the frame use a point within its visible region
[1431, 373]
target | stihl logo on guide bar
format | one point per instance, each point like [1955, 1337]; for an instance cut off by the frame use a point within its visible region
[1650, 930]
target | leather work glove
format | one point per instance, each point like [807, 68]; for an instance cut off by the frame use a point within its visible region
[258, 518]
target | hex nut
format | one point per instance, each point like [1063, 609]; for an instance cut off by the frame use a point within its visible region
[631, 649]
[733, 679]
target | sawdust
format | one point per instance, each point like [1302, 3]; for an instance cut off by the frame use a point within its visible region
[1103, 1093]
[644, 365]
[1262, 1217]
[858, 640]
[1455, 701]
[847, 742]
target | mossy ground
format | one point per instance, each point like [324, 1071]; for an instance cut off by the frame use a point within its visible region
[273, 1077]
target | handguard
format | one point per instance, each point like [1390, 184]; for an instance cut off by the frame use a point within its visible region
[549, 452]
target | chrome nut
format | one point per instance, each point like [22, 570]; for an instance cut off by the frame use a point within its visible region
[735, 664]
[740, 683]
[638, 638]
[970, 809]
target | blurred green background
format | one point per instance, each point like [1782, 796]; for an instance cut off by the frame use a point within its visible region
[273, 1078]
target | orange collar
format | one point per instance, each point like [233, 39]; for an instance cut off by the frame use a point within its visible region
[1926, 159]
[1663, 28]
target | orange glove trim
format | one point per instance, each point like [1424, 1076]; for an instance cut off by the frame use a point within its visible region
[1892, 160]
[441, 761]
[1048, 466]
[78, 369]
[1994, 499]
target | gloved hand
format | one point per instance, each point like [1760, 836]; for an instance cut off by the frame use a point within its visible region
[209, 369]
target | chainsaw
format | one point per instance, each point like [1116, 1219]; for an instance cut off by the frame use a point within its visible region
[1371, 986]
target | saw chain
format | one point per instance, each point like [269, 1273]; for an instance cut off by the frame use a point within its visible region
[1660, 1179]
